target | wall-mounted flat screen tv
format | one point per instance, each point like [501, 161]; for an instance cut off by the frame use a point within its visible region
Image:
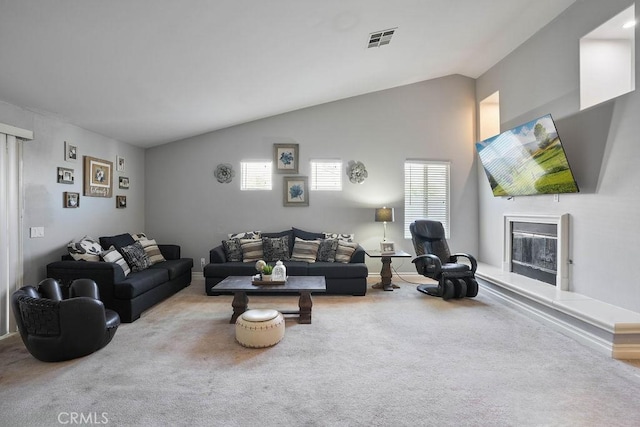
[526, 160]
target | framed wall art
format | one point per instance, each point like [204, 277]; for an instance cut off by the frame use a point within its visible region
[286, 157]
[120, 163]
[66, 176]
[121, 202]
[98, 175]
[70, 152]
[71, 200]
[123, 182]
[296, 191]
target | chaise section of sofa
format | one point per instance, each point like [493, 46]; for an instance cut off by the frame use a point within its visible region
[342, 278]
[136, 292]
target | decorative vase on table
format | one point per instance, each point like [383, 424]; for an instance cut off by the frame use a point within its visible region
[279, 272]
[266, 277]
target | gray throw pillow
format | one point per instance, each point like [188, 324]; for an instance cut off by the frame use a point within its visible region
[136, 257]
[275, 248]
[232, 250]
[327, 250]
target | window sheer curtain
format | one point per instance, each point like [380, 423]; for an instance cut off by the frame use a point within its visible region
[11, 213]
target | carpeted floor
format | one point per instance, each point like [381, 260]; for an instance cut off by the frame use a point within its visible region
[388, 359]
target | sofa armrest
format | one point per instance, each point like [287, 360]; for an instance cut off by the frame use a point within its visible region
[217, 255]
[105, 274]
[170, 251]
[358, 255]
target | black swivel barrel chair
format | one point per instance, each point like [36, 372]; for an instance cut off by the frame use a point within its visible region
[55, 329]
[434, 260]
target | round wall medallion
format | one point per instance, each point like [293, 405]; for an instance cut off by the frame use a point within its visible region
[357, 172]
[224, 173]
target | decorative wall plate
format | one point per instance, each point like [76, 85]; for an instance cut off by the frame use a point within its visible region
[224, 173]
[357, 172]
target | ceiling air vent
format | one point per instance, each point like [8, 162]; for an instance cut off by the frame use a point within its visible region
[381, 38]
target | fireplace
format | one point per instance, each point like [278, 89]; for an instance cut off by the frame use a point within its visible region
[536, 246]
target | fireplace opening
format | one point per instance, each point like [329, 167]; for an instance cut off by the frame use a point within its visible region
[534, 250]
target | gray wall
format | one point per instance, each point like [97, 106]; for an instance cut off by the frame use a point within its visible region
[43, 195]
[430, 120]
[542, 76]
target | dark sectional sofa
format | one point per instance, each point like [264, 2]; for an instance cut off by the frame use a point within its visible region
[128, 295]
[341, 278]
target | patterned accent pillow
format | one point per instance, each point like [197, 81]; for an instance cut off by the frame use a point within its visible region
[246, 235]
[232, 250]
[345, 250]
[251, 250]
[345, 237]
[152, 250]
[112, 255]
[327, 250]
[305, 250]
[275, 248]
[136, 257]
[139, 236]
[87, 249]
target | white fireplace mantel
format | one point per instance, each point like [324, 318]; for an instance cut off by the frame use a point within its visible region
[562, 223]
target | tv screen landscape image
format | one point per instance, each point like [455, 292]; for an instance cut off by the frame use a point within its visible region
[527, 160]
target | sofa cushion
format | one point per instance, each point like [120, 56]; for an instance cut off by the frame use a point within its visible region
[345, 250]
[305, 250]
[152, 250]
[251, 250]
[112, 255]
[135, 256]
[137, 283]
[232, 249]
[87, 249]
[327, 250]
[230, 269]
[117, 241]
[275, 248]
[175, 267]
[332, 270]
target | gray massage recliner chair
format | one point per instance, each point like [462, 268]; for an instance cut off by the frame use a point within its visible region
[434, 260]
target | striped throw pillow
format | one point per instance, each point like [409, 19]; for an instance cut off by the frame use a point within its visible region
[112, 255]
[251, 250]
[152, 250]
[345, 250]
[305, 250]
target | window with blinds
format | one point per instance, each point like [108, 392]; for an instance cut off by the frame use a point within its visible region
[255, 175]
[326, 175]
[426, 193]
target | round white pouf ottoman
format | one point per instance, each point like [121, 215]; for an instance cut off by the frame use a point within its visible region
[260, 328]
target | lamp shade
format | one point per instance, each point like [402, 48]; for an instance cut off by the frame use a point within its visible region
[384, 214]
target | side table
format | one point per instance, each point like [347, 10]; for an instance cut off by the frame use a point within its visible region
[385, 273]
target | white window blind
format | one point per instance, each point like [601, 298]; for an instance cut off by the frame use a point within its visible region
[326, 175]
[426, 193]
[255, 175]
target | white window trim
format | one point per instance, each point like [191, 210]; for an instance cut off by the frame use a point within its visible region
[268, 175]
[434, 211]
[335, 184]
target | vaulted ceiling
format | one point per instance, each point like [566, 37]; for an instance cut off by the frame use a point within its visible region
[148, 72]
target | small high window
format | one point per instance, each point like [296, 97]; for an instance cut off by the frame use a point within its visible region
[326, 175]
[255, 175]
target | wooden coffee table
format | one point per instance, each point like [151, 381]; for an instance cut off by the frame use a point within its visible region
[302, 285]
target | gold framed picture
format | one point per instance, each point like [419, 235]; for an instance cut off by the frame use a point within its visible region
[98, 176]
